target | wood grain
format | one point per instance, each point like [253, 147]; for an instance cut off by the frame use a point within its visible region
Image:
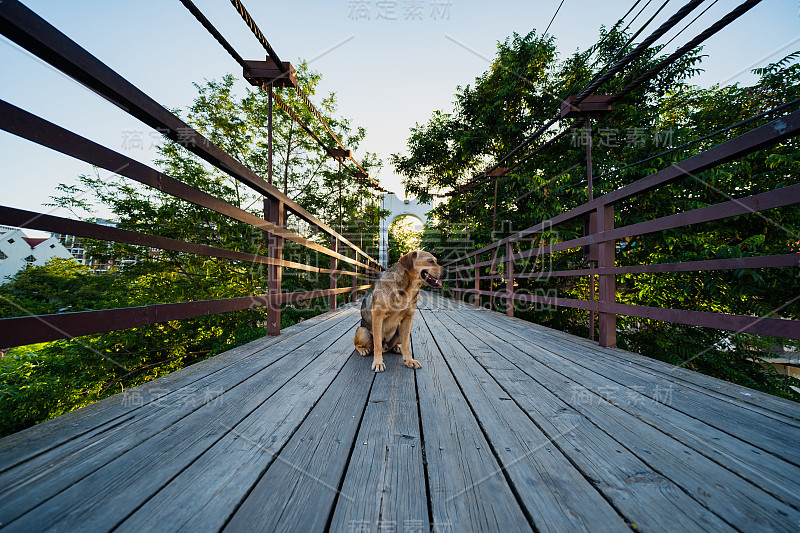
[508, 426]
[385, 475]
[468, 491]
[713, 485]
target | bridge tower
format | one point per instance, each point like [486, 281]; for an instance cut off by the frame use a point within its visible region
[399, 208]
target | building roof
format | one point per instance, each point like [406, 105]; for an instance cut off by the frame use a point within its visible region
[33, 242]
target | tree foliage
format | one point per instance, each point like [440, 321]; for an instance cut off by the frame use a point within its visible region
[39, 382]
[404, 237]
[521, 91]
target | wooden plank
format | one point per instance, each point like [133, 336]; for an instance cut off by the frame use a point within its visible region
[386, 475]
[118, 488]
[713, 485]
[772, 474]
[556, 496]
[758, 429]
[435, 300]
[787, 410]
[29, 443]
[467, 489]
[308, 470]
[88, 452]
[209, 490]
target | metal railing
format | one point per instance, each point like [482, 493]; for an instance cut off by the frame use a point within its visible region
[601, 237]
[31, 32]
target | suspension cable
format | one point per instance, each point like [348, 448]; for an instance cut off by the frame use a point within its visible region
[317, 114]
[554, 16]
[636, 16]
[717, 26]
[700, 139]
[263, 40]
[667, 152]
[297, 119]
[598, 81]
[260, 36]
[589, 88]
[525, 65]
[600, 43]
[624, 47]
[214, 32]
[194, 10]
[636, 52]
[690, 23]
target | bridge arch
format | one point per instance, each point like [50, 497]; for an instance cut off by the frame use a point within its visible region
[398, 208]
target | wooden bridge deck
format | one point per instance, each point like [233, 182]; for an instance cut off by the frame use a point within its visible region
[508, 426]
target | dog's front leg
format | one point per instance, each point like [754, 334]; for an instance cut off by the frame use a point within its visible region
[377, 342]
[405, 342]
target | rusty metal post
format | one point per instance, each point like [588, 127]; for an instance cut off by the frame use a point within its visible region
[340, 196]
[588, 129]
[509, 279]
[494, 207]
[334, 276]
[592, 227]
[591, 298]
[353, 295]
[269, 133]
[608, 283]
[274, 212]
[492, 272]
[592, 256]
[466, 220]
[477, 274]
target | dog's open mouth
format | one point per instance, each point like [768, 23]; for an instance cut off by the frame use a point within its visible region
[430, 280]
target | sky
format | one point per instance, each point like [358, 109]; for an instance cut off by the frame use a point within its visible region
[391, 63]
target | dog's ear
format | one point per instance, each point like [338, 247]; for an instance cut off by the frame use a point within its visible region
[408, 260]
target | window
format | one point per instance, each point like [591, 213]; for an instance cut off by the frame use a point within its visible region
[10, 241]
[52, 246]
[3, 256]
[30, 259]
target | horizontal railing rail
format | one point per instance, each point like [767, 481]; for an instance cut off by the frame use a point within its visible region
[774, 132]
[601, 238]
[31, 32]
[10, 216]
[28, 126]
[43, 328]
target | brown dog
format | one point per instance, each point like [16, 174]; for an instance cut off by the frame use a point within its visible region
[388, 308]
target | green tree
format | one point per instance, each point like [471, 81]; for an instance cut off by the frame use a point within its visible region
[37, 383]
[403, 238]
[521, 91]
[60, 285]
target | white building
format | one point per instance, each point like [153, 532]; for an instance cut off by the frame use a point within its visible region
[75, 246]
[17, 250]
[399, 208]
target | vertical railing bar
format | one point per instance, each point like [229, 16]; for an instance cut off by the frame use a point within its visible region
[274, 211]
[590, 196]
[354, 283]
[509, 279]
[492, 272]
[477, 274]
[333, 276]
[607, 282]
